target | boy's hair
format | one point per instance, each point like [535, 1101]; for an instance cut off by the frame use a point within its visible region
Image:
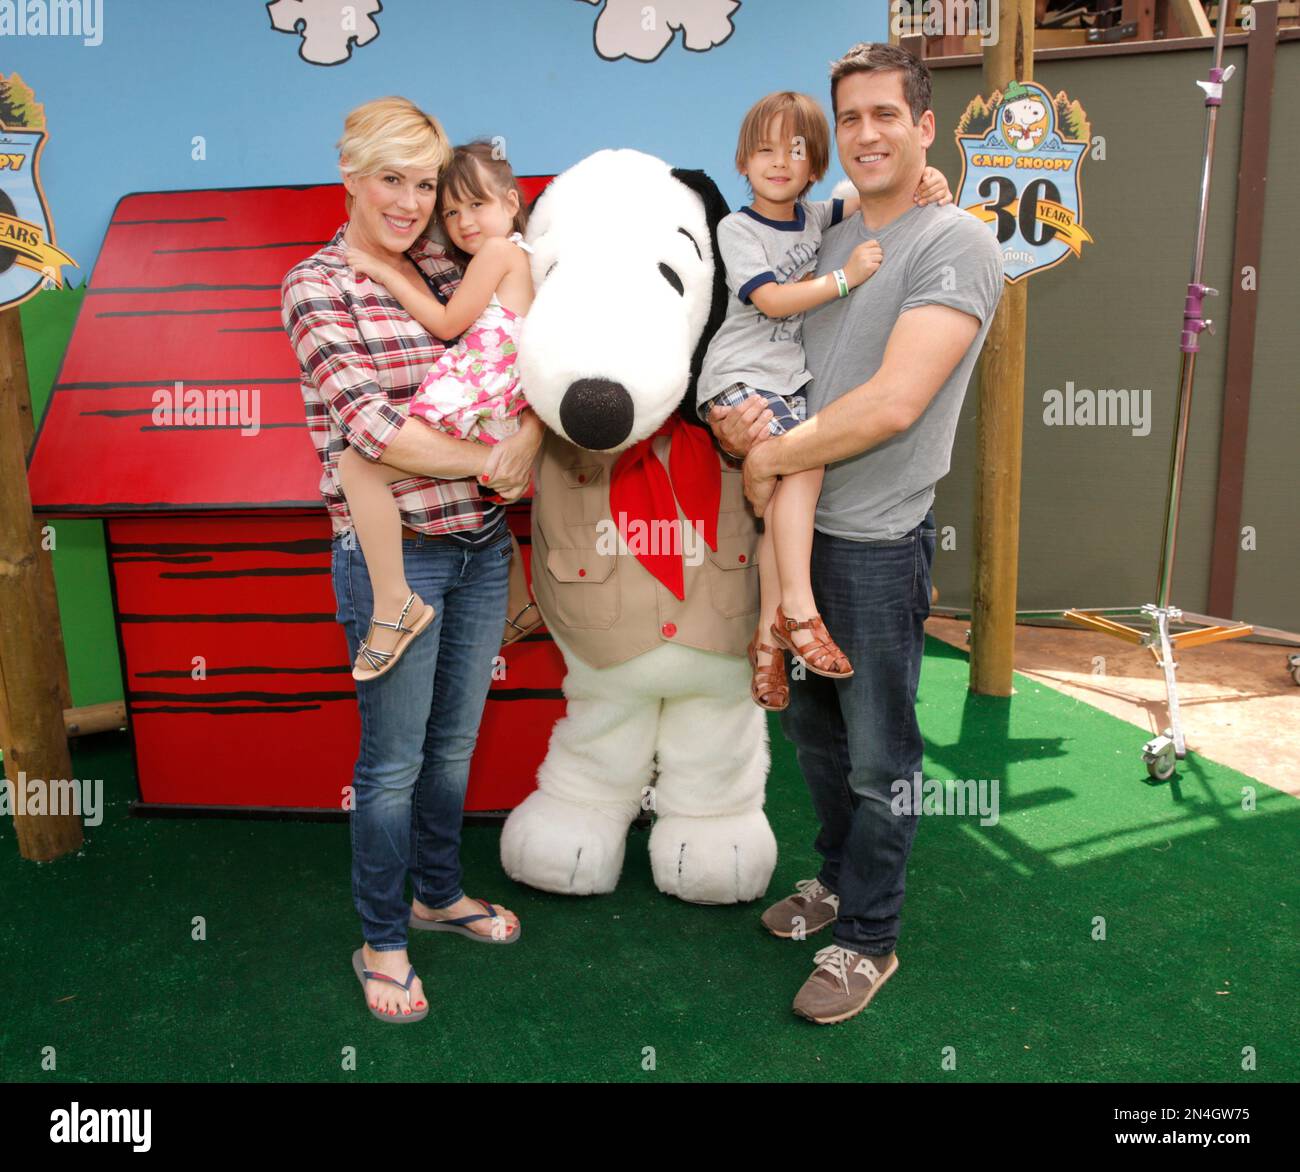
[391, 133]
[866, 57]
[801, 118]
[472, 164]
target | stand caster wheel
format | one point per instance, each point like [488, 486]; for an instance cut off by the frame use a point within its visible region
[1160, 758]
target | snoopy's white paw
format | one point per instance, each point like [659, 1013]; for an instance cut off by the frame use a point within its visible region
[713, 860]
[560, 846]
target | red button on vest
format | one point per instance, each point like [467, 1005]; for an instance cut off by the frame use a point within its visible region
[669, 630]
[742, 557]
[582, 573]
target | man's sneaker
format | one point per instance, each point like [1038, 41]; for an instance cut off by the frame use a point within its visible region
[808, 910]
[842, 984]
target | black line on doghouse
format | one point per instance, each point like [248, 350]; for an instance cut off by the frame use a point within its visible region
[525, 694]
[244, 247]
[178, 220]
[180, 561]
[169, 289]
[304, 545]
[245, 670]
[287, 710]
[258, 572]
[305, 617]
[186, 312]
[263, 697]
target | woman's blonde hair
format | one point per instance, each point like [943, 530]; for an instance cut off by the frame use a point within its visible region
[801, 118]
[391, 133]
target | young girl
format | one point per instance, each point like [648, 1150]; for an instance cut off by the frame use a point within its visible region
[471, 392]
[770, 253]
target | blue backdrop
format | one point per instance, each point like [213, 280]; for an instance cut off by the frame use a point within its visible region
[123, 114]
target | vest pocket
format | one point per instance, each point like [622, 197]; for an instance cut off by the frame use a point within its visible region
[585, 589]
[583, 502]
[733, 576]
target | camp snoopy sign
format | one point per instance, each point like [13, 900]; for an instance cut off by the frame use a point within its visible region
[1021, 154]
[29, 260]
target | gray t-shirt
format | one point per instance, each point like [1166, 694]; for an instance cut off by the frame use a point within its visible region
[766, 353]
[933, 256]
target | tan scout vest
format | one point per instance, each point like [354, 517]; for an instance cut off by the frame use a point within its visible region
[607, 607]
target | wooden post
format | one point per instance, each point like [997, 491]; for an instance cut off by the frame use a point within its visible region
[1000, 426]
[1247, 251]
[45, 563]
[1144, 13]
[31, 715]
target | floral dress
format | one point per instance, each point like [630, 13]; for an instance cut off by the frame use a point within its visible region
[472, 391]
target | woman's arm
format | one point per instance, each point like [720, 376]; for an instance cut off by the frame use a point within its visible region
[471, 298]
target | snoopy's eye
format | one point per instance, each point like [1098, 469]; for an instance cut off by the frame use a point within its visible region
[550, 270]
[673, 279]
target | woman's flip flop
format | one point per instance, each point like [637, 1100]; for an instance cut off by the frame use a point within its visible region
[459, 925]
[364, 974]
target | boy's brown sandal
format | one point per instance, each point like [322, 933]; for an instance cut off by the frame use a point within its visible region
[768, 685]
[821, 653]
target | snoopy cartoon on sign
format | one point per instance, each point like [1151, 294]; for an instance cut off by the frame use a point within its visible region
[1024, 117]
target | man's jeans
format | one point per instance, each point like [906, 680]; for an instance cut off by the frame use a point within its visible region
[419, 722]
[855, 737]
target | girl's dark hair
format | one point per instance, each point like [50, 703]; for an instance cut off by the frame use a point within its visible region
[472, 164]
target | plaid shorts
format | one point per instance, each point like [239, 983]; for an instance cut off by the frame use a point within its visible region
[788, 411]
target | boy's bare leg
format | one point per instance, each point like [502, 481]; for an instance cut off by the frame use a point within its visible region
[793, 510]
[378, 525]
[769, 582]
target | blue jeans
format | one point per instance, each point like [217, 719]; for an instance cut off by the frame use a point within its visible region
[855, 737]
[419, 723]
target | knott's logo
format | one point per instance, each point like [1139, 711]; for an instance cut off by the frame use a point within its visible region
[1021, 154]
[29, 260]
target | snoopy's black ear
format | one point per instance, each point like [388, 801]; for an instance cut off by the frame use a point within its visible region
[715, 209]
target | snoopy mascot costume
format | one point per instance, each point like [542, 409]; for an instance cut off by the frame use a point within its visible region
[644, 549]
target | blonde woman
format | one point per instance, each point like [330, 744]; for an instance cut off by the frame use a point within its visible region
[363, 356]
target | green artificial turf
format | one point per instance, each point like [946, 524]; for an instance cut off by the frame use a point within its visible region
[1000, 973]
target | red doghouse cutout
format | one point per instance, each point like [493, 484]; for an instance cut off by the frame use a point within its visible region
[218, 541]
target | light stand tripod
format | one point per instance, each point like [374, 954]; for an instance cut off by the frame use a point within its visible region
[1161, 754]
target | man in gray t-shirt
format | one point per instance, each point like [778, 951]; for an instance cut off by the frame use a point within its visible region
[890, 364]
[933, 256]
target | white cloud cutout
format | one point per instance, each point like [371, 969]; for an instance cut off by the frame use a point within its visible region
[643, 29]
[328, 27]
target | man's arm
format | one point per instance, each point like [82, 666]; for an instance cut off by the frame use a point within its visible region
[924, 348]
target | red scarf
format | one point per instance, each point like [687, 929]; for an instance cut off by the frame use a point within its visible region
[641, 490]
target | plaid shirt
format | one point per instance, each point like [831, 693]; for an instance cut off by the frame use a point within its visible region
[362, 358]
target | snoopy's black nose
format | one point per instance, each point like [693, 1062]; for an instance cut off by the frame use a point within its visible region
[596, 413]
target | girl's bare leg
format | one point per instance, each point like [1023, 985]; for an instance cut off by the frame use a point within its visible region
[378, 526]
[795, 508]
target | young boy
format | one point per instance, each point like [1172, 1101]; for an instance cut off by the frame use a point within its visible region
[770, 251]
